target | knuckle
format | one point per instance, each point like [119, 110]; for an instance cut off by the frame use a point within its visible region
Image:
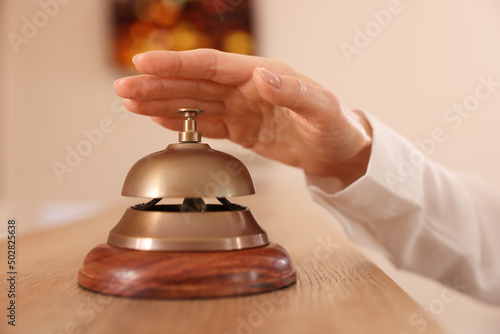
[210, 61]
[330, 96]
[130, 105]
[300, 86]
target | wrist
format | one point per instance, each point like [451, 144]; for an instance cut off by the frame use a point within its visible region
[354, 167]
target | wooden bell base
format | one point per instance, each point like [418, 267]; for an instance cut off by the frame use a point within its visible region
[153, 274]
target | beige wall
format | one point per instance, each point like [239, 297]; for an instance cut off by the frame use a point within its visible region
[59, 84]
[424, 60]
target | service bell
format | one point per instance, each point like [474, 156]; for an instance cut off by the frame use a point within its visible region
[189, 249]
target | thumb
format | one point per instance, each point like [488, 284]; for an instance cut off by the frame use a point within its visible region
[310, 101]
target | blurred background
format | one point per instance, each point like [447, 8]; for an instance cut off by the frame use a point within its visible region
[67, 143]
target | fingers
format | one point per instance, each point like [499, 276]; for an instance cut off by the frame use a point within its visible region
[157, 96]
[148, 87]
[217, 66]
[312, 102]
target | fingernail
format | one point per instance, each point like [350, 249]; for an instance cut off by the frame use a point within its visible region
[133, 58]
[270, 77]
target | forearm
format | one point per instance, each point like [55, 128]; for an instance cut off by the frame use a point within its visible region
[426, 218]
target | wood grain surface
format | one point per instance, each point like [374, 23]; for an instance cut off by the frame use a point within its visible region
[337, 291]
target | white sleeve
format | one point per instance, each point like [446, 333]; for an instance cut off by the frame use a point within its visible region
[426, 218]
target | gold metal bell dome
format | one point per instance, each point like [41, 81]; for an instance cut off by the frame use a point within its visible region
[188, 170]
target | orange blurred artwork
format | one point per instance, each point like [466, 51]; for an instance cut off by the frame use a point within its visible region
[144, 25]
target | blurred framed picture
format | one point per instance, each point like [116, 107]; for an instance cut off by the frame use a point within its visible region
[144, 25]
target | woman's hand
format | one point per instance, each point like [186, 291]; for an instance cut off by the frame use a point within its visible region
[261, 104]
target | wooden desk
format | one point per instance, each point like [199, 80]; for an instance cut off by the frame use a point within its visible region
[338, 291]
